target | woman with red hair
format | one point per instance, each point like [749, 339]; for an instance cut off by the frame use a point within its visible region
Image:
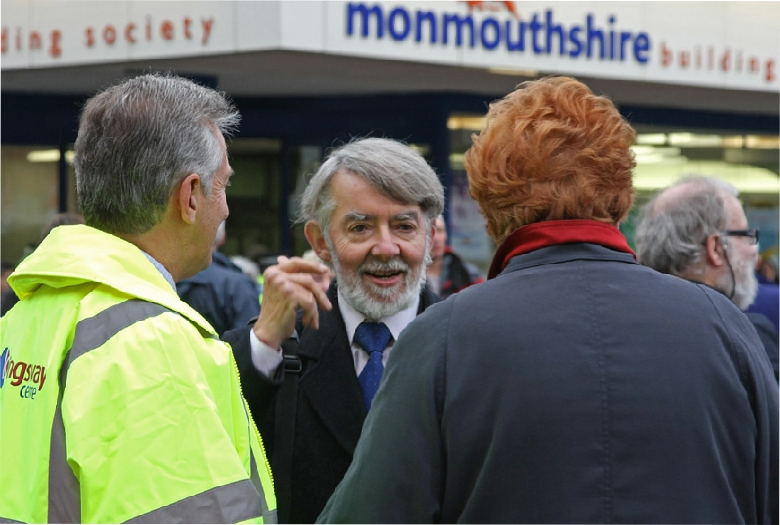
[575, 385]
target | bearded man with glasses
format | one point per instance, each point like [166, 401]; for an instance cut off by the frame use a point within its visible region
[697, 230]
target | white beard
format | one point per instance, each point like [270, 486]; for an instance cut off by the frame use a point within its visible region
[379, 302]
[745, 283]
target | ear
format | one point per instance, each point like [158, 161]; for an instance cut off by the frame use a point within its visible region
[716, 251]
[188, 195]
[316, 239]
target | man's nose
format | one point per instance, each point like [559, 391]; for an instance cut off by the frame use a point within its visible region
[385, 245]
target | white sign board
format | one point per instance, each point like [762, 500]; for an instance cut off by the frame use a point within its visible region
[731, 45]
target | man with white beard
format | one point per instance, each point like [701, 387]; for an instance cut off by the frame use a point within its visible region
[369, 214]
[697, 230]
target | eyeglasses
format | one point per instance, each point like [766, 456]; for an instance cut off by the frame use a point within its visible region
[751, 234]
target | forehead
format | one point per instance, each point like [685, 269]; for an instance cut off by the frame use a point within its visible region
[354, 195]
[737, 216]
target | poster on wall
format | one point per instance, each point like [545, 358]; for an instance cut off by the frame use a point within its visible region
[468, 237]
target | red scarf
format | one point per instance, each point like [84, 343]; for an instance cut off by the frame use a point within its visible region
[549, 233]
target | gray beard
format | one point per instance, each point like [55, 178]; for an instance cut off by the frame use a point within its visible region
[376, 302]
[745, 282]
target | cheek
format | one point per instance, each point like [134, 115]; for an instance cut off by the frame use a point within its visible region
[350, 256]
[414, 253]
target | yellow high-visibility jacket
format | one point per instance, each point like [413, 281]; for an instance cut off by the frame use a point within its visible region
[117, 400]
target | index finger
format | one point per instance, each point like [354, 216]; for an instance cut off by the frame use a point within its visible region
[298, 265]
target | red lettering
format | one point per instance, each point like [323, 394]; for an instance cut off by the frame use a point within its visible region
[55, 50]
[770, 70]
[18, 39]
[166, 30]
[666, 55]
[738, 61]
[35, 40]
[109, 34]
[148, 27]
[206, 29]
[753, 65]
[187, 33]
[4, 45]
[18, 373]
[725, 61]
[90, 37]
[685, 59]
[129, 29]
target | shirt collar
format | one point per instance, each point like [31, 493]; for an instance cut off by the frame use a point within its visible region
[396, 322]
[160, 268]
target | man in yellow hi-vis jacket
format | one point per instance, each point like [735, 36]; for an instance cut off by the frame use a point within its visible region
[117, 400]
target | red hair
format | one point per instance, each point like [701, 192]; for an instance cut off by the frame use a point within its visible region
[551, 150]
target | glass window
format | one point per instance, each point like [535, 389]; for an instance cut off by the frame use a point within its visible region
[751, 162]
[30, 196]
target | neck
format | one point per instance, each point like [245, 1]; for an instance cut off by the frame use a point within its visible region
[159, 242]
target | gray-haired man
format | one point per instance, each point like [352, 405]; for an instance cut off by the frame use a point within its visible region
[697, 230]
[369, 213]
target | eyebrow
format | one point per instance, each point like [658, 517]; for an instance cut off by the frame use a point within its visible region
[356, 216]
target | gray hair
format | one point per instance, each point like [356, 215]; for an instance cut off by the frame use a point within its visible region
[392, 168]
[671, 231]
[138, 139]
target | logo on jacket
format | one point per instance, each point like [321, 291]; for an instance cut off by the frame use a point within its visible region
[17, 372]
[3, 365]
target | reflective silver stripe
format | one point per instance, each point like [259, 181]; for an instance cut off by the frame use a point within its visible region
[92, 333]
[226, 504]
[64, 490]
[269, 516]
[6, 520]
[230, 503]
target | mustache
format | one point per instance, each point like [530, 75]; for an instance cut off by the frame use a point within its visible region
[394, 265]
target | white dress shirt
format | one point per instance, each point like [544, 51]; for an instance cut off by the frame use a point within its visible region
[267, 359]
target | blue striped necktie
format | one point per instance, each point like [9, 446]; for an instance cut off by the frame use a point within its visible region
[373, 338]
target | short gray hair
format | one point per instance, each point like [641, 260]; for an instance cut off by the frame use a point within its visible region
[671, 231]
[138, 139]
[392, 168]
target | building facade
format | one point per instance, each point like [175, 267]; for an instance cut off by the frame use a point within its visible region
[697, 80]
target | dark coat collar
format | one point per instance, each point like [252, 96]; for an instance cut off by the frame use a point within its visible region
[567, 252]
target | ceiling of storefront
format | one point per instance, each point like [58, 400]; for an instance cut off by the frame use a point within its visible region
[285, 73]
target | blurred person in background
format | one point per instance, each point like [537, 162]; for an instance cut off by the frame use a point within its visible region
[221, 293]
[697, 230]
[574, 385]
[448, 273]
[767, 301]
[368, 213]
[119, 402]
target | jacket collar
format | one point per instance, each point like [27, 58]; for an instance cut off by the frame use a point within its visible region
[553, 233]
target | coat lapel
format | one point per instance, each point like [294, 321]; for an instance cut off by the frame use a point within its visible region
[330, 384]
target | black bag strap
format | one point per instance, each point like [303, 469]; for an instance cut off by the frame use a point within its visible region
[284, 427]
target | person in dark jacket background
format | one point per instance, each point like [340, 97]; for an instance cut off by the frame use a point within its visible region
[574, 385]
[221, 293]
[448, 273]
[697, 230]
